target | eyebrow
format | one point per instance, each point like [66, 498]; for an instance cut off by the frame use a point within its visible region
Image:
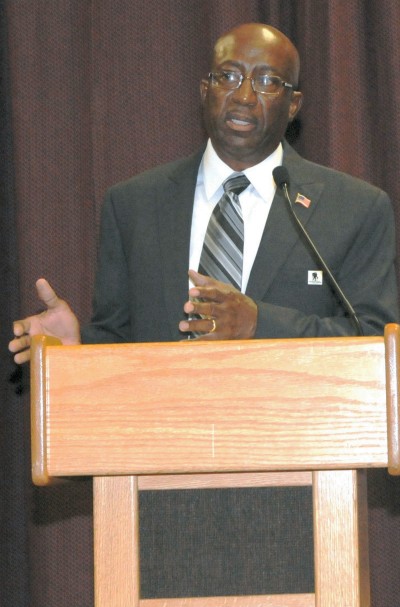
[239, 65]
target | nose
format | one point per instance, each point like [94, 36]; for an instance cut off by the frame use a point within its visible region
[245, 93]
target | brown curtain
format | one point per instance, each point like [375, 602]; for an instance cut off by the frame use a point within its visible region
[94, 91]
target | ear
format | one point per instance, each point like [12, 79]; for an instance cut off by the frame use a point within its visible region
[295, 104]
[204, 89]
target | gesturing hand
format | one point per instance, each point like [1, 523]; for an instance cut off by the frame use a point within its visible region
[226, 312]
[57, 321]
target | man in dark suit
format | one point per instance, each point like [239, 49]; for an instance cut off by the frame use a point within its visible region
[153, 227]
[147, 227]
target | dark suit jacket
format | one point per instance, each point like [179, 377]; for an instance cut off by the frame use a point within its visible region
[142, 281]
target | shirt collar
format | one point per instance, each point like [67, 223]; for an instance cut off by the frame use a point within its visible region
[215, 171]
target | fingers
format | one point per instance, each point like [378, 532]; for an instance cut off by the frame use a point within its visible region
[226, 312]
[23, 357]
[21, 326]
[20, 343]
[201, 317]
[206, 326]
[21, 348]
[209, 330]
[46, 293]
[197, 278]
[207, 288]
[57, 320]
[200, 280]
[205, 309]
[206, 302]
[48, 296]
[23, 329]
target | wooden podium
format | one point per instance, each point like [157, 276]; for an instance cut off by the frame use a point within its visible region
[221, 414]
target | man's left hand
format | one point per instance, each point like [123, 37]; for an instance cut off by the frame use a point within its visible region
[226, 312]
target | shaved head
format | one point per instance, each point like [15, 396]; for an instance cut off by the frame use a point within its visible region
[258, 35]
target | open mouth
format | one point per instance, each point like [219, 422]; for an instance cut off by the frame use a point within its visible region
[240, 123]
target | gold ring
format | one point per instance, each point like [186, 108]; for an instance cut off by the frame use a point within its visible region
[214, 325]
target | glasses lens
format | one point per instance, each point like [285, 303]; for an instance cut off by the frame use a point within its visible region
[267, 84]
[228, 80]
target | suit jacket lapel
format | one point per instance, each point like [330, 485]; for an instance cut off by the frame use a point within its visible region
[280, 234]
[175, 207]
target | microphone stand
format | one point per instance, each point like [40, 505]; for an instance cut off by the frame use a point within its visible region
[338, 290]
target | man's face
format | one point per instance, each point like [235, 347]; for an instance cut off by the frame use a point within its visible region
[245, 127]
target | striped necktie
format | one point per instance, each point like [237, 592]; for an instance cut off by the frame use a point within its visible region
[222, 254]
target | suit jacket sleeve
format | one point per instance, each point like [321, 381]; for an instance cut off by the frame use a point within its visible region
[141, 279]
[110, 322]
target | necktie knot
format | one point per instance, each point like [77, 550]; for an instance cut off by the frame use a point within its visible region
[236, 184]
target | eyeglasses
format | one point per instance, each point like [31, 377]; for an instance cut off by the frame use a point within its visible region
[262, 83]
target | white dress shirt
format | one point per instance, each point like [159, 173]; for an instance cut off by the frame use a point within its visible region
[255, 201]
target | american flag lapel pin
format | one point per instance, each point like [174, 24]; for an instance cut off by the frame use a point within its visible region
[301, 199]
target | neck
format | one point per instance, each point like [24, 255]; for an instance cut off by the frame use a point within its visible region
[241, 164]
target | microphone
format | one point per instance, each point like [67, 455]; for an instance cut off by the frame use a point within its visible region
[281, 178]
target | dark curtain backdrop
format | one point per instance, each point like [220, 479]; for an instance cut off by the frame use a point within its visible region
[94, 91]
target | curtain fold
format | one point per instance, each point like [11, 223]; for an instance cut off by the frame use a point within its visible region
[14, 448]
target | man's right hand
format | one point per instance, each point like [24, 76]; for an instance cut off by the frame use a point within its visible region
[57, 321]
